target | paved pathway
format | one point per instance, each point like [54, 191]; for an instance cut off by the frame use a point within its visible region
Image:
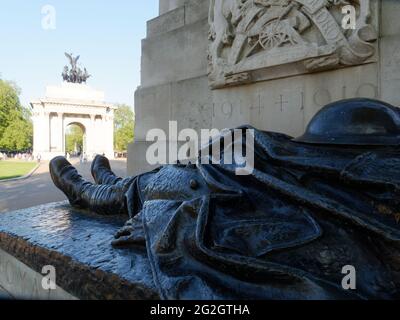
[39, 188]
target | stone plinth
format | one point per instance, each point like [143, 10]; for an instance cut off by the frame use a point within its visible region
[68, 104]
[78, 245]
[168, 5]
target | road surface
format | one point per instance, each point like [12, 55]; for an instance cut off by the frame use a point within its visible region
[39, 188]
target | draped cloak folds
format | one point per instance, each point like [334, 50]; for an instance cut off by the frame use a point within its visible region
[284, 232]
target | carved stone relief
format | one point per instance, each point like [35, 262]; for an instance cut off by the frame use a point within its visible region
[254, 40]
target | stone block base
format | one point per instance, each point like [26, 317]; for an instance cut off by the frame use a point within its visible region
[78, 245]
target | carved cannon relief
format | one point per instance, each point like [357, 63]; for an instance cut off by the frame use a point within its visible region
[254, 40]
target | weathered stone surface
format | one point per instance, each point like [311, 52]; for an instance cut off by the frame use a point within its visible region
[278, 96]
[78, 245]
[183, 101]
[189, 12]
[282, 105]
[196, 10]
[391, 23]
[167, 22]
[175, 55]
[21, 282]
[390, 66]
[168, 5]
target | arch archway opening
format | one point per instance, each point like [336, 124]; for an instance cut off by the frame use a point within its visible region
[75, 140]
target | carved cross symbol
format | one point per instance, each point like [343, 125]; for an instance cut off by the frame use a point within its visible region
[281, 102]
[256, 107]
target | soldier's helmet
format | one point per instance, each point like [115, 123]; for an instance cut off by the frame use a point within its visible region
[362, 122]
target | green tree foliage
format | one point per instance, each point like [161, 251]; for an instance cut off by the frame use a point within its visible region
[124, 126]
[9, 103]
[74, 139]
[16, 130]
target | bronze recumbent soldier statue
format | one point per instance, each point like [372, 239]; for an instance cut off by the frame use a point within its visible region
[312, 207]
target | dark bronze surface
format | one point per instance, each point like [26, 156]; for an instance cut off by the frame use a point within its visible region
[285, 232]
[355, 122]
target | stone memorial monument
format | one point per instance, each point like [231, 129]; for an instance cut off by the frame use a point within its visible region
[74, 102]
[272, 64]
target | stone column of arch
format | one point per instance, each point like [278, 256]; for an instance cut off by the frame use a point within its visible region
[42, 133]
[61, 133]
[91, 137]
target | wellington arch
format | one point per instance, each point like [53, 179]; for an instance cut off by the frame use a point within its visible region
[72, 103]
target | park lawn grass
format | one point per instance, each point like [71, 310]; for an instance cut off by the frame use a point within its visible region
[15, 169]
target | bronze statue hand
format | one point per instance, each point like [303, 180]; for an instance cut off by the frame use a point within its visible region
[129, 235]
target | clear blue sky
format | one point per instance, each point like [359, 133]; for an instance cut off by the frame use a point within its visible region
[105, 33]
